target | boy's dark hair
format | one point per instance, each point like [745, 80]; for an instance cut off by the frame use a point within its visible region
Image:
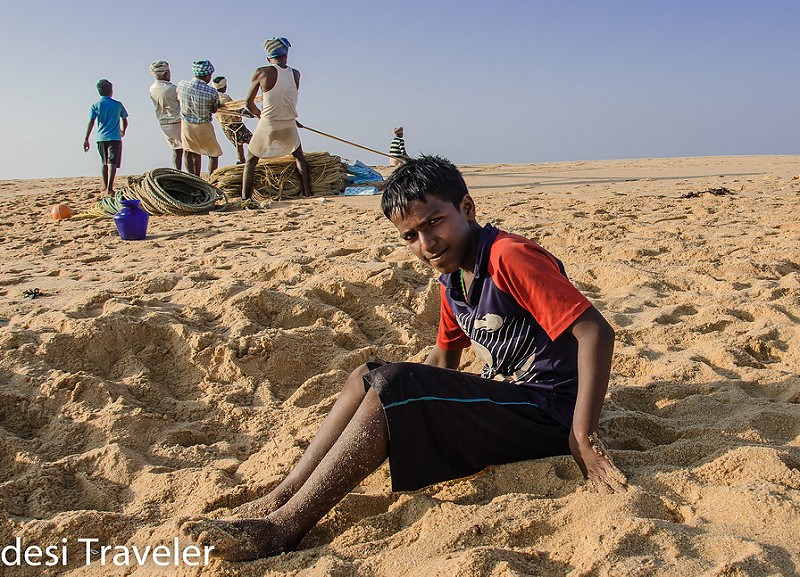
[104, 87]
[419, 177]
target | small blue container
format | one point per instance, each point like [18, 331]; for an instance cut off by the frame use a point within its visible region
[131, 220]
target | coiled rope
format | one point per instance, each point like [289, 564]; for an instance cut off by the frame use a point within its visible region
[162, 191]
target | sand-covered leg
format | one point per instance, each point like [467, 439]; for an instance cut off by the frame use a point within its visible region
[331, 429]
[358, 451]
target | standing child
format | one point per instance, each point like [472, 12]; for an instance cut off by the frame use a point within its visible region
[108, 113]
[548, 358]
[231, 122]
[397, 148]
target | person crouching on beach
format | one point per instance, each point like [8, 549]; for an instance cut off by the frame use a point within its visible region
[108, 113]
[547, 351]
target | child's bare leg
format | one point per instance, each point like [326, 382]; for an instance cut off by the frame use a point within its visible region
[359, 450]
[112, 173]
[343, 410]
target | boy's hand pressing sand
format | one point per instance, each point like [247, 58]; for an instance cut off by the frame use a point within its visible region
[598, 469]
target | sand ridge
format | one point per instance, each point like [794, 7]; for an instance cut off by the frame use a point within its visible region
[184, 374]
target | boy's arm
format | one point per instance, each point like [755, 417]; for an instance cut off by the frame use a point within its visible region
[124, 126]
[439, 357]
[595, 347]
[88, 133]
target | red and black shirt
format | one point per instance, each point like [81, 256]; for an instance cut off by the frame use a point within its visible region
[516, 315]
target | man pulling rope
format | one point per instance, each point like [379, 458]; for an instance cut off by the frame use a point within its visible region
[276, 133]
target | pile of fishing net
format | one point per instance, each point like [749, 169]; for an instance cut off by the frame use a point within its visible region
[277, 178]
[163, 191]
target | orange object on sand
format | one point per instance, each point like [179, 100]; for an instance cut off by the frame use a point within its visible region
[60, 211]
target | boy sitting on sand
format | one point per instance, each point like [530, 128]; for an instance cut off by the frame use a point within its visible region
[548, 358]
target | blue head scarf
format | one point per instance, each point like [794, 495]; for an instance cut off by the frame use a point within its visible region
[202, 68]
[276, 47]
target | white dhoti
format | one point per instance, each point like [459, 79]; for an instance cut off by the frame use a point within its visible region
[200, 139]
[172, 134]
[274, 138]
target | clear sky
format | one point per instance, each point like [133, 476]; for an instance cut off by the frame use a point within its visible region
[517, 81]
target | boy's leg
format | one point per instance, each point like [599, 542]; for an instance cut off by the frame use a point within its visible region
[240, 153]
[112, 173]
[361, 448]
[302, 168]
[102, 151]
[113, 159]
[213, 163]
[331, 429]
[247, 175]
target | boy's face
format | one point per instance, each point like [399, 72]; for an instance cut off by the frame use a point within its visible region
[437, 232]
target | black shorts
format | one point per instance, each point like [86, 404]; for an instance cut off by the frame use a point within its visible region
[110, 151]
[446, 424]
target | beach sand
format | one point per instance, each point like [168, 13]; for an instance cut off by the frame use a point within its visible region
[184, 374]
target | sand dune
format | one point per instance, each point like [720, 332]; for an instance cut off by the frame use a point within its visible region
[184, 374]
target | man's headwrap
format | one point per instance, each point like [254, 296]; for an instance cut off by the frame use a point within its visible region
[202, 68]
[276, 47]
[159, 67]
[220, 84]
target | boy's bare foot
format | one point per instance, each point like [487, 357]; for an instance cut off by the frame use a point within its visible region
[242, 540]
